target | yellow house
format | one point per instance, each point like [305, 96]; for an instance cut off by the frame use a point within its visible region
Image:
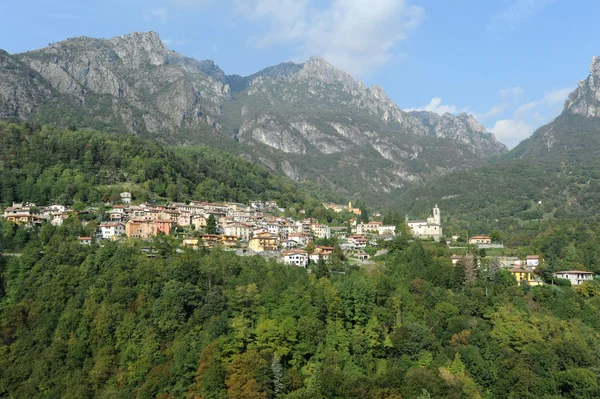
[264, 243]
[525, 275]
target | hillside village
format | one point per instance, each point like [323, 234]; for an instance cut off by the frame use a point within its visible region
[258, 229]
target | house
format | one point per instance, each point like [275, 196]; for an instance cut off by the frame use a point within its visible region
[533, 261]
[229, 241]
[320, 230]
[138, 228]
[455, 259]
[369, 228]
[301, 238]
[210, 240]
[339, 232]
[324, 250]
[386, 230]
[315, 256]
[357, 241]
[110, 231]
[126, 197]
[525, 276]
[192, 243]
[238, 230]
[168, 214]
[429, 228]
[185, 218]
[576, 277]
[162, 225]
[480, 240]
[199, 222]
[296, 257]
[264, 243]
[85, 240]
[289, 244]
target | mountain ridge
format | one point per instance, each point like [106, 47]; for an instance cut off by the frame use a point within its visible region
[310, 121]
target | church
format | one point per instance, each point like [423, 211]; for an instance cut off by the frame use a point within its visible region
[430, 228]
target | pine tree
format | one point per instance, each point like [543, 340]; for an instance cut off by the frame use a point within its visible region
[211, 225]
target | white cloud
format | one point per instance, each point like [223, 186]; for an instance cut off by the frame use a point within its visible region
[355, 35]
[512, 131]
[529, 116]
[495, 110]
[552, 98]
[519, 12]
[511, 92]
[435, 105]
[159, 13]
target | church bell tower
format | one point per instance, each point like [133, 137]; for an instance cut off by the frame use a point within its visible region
[436, 215]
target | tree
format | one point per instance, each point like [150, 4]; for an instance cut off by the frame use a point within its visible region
[321, 269]
[496, 236]
[211, 225]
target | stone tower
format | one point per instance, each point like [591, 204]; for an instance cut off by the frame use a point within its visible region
[436, 215]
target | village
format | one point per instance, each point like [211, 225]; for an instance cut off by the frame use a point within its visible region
[257, 229]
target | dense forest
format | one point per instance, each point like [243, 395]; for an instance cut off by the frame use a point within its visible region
[44, 164]
[88, 321]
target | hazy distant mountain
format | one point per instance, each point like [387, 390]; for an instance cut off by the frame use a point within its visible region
[576, 132]
[310, 121]
[553, 174]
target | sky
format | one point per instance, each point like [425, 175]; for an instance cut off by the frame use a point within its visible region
[510, 63]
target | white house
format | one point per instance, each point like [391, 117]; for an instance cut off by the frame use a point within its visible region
[85, 240]
[358, 241]
[316, 256]
[125, 197]
[480, 240]
[289, 244]
[321, 230]
[301, 238]
[239, 230]
[110, 231]
[296, 257]
[576, 277]
[533, 261]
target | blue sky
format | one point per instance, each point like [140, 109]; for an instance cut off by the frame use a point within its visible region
[511, 63]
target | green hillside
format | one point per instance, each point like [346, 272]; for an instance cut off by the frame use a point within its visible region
[44, 164]
[108, 322]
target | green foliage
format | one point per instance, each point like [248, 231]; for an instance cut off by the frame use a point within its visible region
[211, 225]
[86, 321]
[46, 164]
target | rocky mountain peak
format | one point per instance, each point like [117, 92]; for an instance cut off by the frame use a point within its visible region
[318, 68]
[139, 48]
[585, 99]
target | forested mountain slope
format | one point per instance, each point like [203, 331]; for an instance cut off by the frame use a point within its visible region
[310, 121]
[553, 176]
[44, 164]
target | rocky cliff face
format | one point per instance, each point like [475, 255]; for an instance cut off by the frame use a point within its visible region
[576, 132]
[163, 87]
[585, 100]
[461, 129]
[310, 121]
[22, 90]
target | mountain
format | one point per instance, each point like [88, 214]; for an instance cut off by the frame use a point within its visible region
[551, 176]
[22, 90]
[309, 121]
[462, 128]
[574, 134]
